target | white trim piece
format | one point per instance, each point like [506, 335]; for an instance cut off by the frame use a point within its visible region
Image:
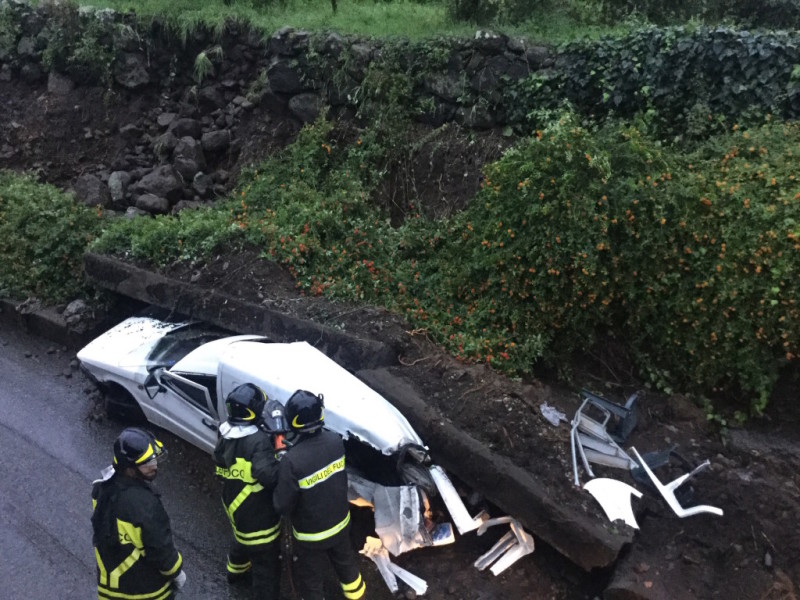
[464, 523]
[668, 491]
[614, 498]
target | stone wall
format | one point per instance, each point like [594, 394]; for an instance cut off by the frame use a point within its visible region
[197, 102]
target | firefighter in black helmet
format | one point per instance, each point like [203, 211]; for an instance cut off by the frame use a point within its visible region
[312, 490]
[136, 556]
[247, 465]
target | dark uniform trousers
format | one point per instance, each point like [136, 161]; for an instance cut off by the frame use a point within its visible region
[312, 491]
[312, 559]
[248, 469]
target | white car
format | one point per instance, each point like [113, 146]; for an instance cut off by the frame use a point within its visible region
[177, 376]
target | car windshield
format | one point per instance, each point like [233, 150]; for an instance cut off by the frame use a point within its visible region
[178, 343]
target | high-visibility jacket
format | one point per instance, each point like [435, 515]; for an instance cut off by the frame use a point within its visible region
[136, 556]
[312, 489]
[246, 463]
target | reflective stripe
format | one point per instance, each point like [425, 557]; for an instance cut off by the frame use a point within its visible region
[255, 538]
[122, 568]
[241, 497]
[160, 594]
[147, 454]
[258, 537]
[237, 569]
[322, 535]
[101, 567]
[175, 568]
[354, 590]
[336, 466]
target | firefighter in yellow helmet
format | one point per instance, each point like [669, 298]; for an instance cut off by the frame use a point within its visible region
[246, 464]
[136, 556]
[312, 490]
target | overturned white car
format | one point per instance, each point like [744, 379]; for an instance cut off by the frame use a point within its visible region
[177, 375]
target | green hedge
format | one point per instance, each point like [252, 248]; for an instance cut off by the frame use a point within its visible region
[43, 234]
[781, 14]
[677, 72]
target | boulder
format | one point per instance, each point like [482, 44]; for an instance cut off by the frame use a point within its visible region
[306, 107]
[152, 204]
[91, 191]
[163, 182]
[216, 141]
[284, 78]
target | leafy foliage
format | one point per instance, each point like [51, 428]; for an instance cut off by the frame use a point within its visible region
[690, 81]
[43, 233]
[687, 259]
[771, 13]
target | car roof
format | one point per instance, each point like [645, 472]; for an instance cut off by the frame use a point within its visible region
[352, 408]
[205, 359]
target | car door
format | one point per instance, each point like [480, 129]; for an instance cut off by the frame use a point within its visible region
[187, 408]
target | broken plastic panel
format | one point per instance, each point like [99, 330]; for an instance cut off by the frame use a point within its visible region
[398, 514]
[614, 498]
[668, 491]
[374, 549]
[455, 506]
[509, 549]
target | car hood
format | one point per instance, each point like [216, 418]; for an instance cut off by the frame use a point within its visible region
[128, 344]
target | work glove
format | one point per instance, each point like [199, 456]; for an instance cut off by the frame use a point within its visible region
[179, 581]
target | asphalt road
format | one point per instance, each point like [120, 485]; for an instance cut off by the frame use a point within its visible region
[51, 451]
[53, 445]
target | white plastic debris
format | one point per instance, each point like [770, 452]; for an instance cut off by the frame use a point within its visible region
[375, 551]
[668, 491]
[614, 498]
[455, 506]
[552, 414]
[398, 513]
[509, 549]
[419, 585]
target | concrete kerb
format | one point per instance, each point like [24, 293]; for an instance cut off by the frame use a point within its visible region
[231, 313]
[581, 539]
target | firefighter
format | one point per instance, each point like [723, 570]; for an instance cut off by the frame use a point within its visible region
[136, 556]
[312, 491]
[247, 465]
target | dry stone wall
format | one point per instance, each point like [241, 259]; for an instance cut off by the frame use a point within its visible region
[198, 99]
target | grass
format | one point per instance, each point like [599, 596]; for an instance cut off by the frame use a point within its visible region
[397, 19]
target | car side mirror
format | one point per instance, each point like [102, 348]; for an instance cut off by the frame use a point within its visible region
[152, 385]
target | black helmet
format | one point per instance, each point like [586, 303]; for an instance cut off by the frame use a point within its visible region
[305, 411]
[246, 404]
[135, 447]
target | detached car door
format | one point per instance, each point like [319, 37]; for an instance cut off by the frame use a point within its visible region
[187, 407]
[184, 397]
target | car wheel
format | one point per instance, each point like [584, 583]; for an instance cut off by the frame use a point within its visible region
[120, 405]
